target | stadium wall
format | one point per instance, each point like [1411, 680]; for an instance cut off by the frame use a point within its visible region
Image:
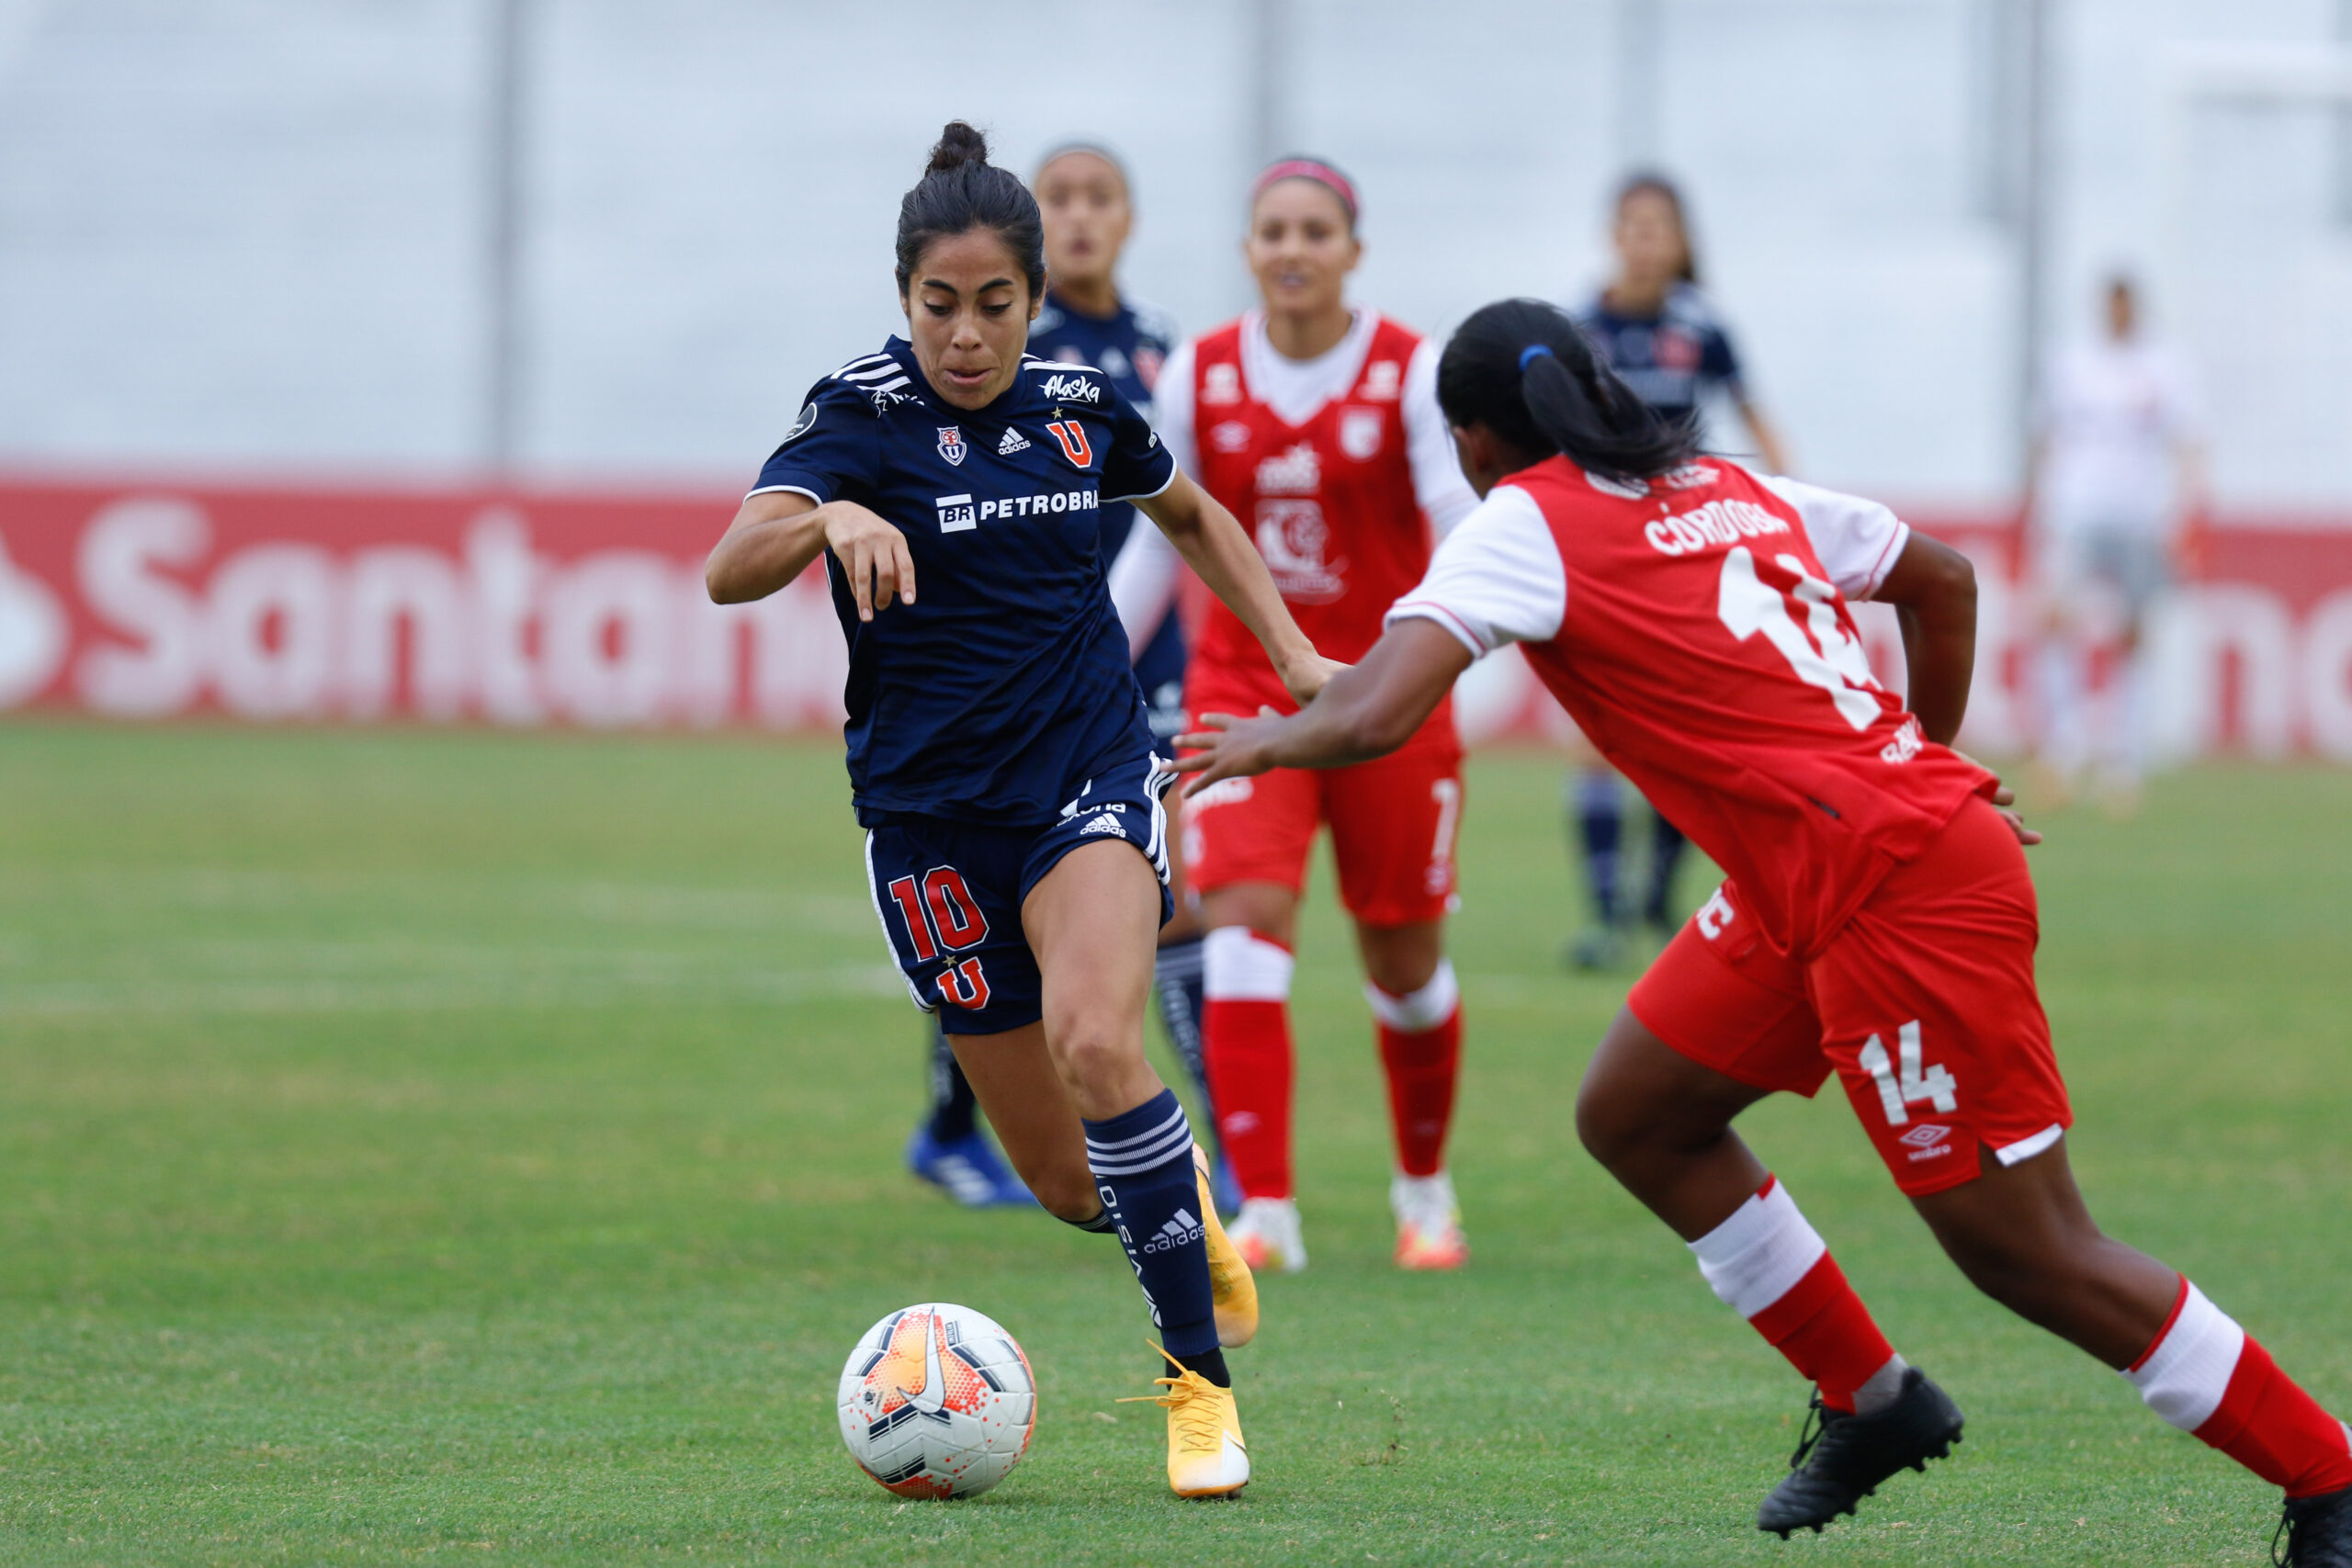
[154, 600]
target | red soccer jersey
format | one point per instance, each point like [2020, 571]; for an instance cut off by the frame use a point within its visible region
[1329, 501]
[1692, 630]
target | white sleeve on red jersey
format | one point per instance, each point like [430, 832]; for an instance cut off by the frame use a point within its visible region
[1143, 580]
[1444, 495]
[1495, 578]
[1857, 540]
[1172, 407]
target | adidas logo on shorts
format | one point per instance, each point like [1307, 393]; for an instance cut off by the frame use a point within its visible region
[1105, 823]
[1013, 442]
[1176, 1233]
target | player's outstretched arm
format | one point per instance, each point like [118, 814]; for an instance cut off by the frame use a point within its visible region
[1933, 590]
[776, 533]
[1213, 546]
[1366, 710]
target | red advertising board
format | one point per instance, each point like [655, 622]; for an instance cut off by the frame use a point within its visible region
[148, 600]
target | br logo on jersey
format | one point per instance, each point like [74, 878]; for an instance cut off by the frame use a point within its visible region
[1221, 383]
[1070, 436]
[1360, 432]
[951, 443]
[955, 513]
[1292, 536]
[1072, 389]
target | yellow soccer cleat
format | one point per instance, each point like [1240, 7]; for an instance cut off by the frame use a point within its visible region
[1207, 1457]
[1231, 1286]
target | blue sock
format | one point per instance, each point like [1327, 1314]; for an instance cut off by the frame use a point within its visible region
[1600, 825]
[1176, 977]
[952, 1104]
[1143, 1167]
[1666, 858]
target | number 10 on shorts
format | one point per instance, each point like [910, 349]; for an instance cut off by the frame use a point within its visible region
[945, 915]
[1898, 1092]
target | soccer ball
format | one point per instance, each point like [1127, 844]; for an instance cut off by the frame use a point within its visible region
[936, 1401]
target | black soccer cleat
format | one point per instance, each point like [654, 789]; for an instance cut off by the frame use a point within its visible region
[2315, 1531]
[1844, 1459]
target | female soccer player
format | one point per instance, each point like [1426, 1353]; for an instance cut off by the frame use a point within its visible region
[1082, 193]
[1663, 338]
[999, 753]
[2117, 481]
[1318, 422]
[1879, 919]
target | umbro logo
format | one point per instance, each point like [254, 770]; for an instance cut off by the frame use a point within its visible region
[1104, 823]
[1013, 442]
[1926, 1141]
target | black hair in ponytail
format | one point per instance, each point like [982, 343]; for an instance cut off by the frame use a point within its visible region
[1523, 369]
[960, 191]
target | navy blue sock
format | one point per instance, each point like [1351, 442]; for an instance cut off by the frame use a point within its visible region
[1600, 826]
[953, 1105]
[1667, 843]
[1176, 977]
[1143, 1167]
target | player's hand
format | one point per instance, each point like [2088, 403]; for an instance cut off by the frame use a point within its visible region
[2005, 801]
[1229, 748]
[873, 557]
[1308, 674]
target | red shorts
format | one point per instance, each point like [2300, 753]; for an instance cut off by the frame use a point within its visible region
[1924, 1003]
[1393, 823]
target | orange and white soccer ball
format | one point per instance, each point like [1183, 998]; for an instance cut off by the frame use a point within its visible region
[937, 1401]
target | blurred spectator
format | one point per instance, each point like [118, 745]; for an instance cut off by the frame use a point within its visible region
[2114, 494]
[1659, 333]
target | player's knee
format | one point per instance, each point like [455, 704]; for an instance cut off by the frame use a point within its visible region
[1095, 1047]
[1607, 1124]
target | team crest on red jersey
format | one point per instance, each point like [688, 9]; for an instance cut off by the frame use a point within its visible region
[1070, 436]
[951, 443]
[1359, 432]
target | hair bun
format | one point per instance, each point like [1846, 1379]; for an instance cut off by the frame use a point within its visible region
[958, 144]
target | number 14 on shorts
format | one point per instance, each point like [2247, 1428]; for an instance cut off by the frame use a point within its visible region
[1905, 1084]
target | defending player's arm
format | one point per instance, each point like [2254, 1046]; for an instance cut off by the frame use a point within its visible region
[1933, 590]
[1221, 555]
[1366, 710]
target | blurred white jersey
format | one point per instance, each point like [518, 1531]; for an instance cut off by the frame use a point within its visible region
[2113, 415]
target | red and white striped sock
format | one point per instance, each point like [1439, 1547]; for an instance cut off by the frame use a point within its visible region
[2207, 1376]
[1421, 1046]
[1767, 1264]
[1245, 1039]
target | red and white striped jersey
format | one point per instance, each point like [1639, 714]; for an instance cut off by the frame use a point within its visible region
[1696, 628]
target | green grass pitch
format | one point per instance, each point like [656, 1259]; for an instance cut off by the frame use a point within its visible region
[484, 1148]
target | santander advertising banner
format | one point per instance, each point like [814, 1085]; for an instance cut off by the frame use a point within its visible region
[156, 600]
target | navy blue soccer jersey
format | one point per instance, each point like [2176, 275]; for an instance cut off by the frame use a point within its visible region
[1671, 360]
[1004, 687]
[1129, 347]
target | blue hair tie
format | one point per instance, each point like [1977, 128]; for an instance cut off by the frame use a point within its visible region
[1526, 355]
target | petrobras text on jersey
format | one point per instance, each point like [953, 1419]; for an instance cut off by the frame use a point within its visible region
[957, 512]
[1725, 521]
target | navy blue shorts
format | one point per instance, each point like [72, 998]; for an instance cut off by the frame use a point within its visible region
[949, 895]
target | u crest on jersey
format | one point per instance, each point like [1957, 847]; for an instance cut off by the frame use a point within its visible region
[951, 443]
[1070, 436]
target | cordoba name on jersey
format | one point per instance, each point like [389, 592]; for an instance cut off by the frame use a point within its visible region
[957, 512]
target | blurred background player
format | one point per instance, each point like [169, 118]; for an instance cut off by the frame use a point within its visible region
[1661, 336]
[1318, 422]
[2115, 491]
[1083, 193]
[1000, 759]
